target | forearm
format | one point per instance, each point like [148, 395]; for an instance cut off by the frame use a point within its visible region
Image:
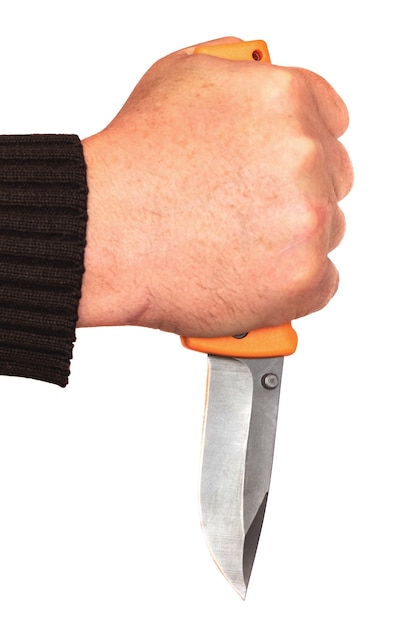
[43, 214]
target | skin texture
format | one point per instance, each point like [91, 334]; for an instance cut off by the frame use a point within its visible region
[213, 199]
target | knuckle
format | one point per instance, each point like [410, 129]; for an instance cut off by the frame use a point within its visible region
[289, 86]
[310, 279]
[279, 89]
[308, 154]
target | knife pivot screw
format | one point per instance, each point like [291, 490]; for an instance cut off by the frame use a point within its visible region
[270, 381]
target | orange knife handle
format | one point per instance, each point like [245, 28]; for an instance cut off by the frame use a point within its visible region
[266, 342]
[261, 343]
[256, 50]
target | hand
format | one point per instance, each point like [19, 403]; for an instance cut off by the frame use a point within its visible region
[213, 199]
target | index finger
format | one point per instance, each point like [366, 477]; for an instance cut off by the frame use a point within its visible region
[330, 106]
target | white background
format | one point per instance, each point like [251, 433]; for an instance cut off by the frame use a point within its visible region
[98, 482]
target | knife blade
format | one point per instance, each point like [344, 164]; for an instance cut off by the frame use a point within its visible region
[239, 427]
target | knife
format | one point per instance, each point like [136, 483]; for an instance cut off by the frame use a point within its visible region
[241, 412]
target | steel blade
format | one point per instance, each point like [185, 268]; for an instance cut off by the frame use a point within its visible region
[236, 461]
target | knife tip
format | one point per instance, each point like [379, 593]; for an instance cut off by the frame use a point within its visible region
[242, 594]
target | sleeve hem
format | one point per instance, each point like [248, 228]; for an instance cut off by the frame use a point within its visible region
[43, 219]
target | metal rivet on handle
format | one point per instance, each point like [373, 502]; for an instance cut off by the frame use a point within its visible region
[270, 381]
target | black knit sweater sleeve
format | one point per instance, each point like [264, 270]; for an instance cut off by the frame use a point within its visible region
[43, 216]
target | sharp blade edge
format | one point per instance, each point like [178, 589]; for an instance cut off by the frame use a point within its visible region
[236, 462]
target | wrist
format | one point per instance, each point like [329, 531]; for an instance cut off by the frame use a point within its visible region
[111, 295]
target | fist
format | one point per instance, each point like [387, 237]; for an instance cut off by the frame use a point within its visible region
[213, 198]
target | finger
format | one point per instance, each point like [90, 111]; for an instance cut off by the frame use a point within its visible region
[327, 287]
[322, 293]
[343, 174]
[330, 106]
[338, 228]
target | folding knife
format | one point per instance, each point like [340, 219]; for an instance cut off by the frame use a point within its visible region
[243, 388]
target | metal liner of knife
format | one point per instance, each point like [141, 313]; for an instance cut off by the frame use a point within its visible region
[241, 412]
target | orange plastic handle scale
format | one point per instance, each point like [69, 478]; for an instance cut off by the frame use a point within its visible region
[242, 51]
[261, 343]
[265, 342]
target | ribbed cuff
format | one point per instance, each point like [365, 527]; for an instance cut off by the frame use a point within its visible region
[43, 217]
